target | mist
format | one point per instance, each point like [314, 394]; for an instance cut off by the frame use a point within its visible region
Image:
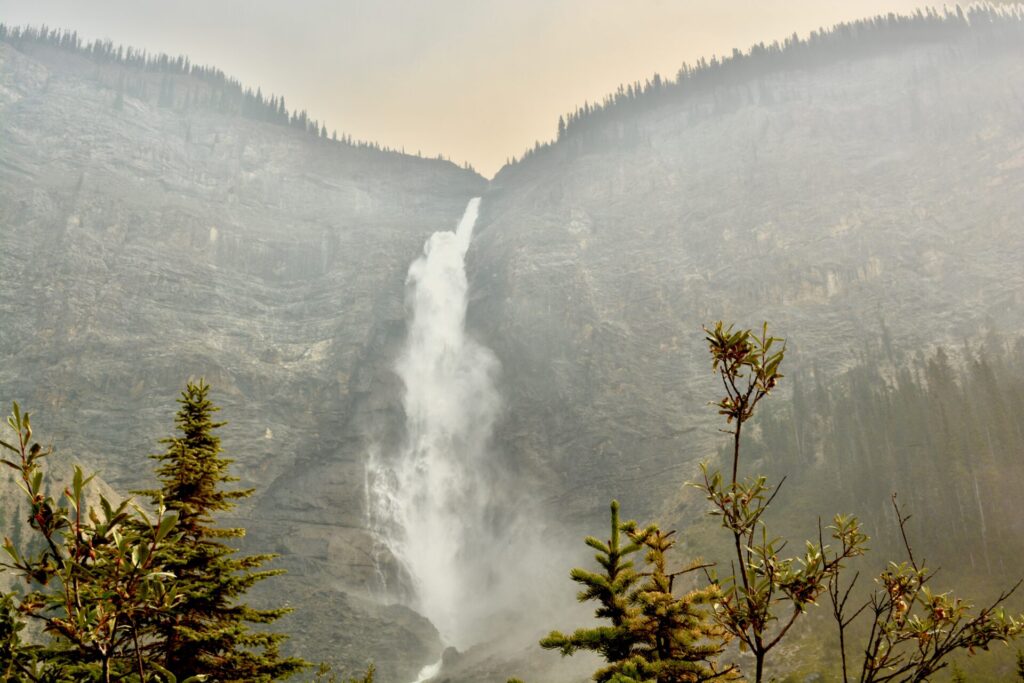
[437, 376]
[466, 66]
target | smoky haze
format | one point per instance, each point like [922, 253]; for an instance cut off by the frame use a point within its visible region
[474, 81]
[428, 432]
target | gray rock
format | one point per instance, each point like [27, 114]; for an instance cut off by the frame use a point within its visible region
[143, 246]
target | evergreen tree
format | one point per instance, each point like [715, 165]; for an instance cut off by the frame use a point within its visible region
[209, 631]
[678, 640]
[654, 636]
[612, 589]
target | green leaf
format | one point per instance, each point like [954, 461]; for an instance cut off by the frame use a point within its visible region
[76, 483]
[118, 541]
[12, 551]
[108, 513]
[168, 676]
[166, 524]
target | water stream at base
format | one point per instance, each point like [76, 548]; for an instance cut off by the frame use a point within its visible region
[429, 672]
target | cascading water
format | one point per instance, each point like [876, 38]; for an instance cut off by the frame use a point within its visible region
[433, 505]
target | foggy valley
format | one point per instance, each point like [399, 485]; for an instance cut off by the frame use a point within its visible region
[435, 383]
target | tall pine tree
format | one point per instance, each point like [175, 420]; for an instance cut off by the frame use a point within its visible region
[209, 632]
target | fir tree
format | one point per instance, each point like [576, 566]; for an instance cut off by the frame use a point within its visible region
[678, 641]
[209, 631]
[654, 636]
[119, 98]
[612, 590]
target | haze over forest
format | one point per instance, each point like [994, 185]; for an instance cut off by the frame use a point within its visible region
[437, 375]
[469, 67]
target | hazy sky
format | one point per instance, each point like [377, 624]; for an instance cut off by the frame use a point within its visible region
[476, 80]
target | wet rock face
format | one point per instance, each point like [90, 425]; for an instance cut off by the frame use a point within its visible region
[142, 246]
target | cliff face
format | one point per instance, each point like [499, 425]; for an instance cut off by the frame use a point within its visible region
[875, 199]
[143, 244]
[880, 196]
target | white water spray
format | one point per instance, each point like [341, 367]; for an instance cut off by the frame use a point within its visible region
[433, 505]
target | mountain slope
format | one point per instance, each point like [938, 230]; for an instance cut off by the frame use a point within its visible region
[143, 244]
[877, 196]
[883, 189]
[152, 228]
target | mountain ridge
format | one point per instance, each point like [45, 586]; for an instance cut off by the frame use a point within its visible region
[141, 242]
[848, 40]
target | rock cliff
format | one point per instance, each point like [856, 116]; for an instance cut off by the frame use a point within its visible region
[882, 193]
[142, 245]
[143, 242]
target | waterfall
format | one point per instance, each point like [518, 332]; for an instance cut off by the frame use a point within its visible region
[433, 505]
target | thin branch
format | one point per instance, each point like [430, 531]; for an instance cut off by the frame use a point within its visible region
[903, 532]
[691, 569]
[782, 632]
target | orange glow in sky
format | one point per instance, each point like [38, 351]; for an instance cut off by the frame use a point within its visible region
[475, 80]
